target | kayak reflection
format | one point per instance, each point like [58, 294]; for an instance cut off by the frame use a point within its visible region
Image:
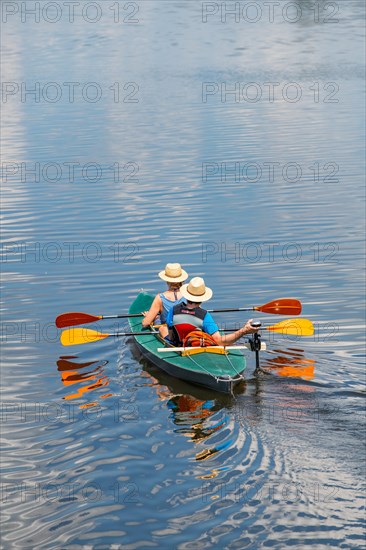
[72, 374]
[291, 362]
[195, 411]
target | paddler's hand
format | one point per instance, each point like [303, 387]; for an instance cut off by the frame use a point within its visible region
[248, 328]
[143, 322]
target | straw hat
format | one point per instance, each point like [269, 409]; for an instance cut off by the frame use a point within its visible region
[196, 290]
[173, 273]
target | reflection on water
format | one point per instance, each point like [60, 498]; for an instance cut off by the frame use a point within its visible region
[291, 362]
[71, 375]
[190, 411]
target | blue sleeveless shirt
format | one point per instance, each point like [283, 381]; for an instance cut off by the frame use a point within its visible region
[167, 306]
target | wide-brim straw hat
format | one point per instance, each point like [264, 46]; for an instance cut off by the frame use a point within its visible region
[173, 273]
[196, 290]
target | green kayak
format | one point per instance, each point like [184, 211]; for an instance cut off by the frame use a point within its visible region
[220, 372]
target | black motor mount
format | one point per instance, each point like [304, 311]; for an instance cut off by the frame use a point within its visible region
[255, 343]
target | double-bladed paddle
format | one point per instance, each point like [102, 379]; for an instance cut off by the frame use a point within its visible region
[73, 336]
[282, 306]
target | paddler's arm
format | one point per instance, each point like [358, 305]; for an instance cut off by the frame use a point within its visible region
[155, 309]
[228, 339]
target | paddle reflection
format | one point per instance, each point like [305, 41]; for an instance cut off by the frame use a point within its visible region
[291, 362]
[72, 374]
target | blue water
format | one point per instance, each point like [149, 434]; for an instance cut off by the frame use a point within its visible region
[138, 133]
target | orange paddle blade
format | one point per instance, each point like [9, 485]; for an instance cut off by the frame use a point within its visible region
[282, 306]
[294, 327]
[75, 318]
[75, 336]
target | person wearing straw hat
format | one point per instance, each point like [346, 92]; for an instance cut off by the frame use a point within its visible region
[174, 276]
[188, 316]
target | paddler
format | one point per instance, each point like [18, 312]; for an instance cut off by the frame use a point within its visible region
[188, 316]
[174, 276]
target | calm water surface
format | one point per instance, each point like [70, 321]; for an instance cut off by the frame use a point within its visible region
[157, 131]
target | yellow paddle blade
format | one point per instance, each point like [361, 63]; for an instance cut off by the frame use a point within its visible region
[75, 336]
[294, 327]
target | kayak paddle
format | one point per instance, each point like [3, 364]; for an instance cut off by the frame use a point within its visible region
[73, 336]
[282, 306]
